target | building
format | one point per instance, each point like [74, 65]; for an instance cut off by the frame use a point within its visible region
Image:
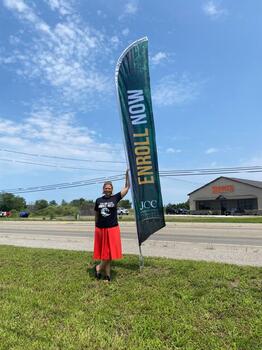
[226, 195]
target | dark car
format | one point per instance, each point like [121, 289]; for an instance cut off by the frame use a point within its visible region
[234, 211]
[24, 214]
[182, 211]
[170, 210]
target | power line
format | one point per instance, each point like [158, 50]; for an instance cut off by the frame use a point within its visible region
[256, 167]
[171, 173]
[65, 185]
[65, 158]
[57, 166]
[188, 172]
[211, 172]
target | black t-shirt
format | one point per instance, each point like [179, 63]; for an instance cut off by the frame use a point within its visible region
[107, 210]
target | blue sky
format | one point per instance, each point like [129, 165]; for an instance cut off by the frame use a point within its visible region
[57, 62]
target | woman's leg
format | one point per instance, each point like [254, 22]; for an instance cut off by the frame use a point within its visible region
[104, 266]
[108, 268]
[100, 267]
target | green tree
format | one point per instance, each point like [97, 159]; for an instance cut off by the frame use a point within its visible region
[41, 204]
[64, 202]
[183, 205]
[9, 201]
[53, 202]
[82, 203]
[125, 203]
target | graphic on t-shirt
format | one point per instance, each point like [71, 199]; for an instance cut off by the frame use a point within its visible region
[106, 205]
[105, 212]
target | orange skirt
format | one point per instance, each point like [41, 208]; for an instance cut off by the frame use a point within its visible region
[107, 243]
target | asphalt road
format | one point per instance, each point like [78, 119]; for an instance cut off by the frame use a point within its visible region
[211, 233]
[228, 243]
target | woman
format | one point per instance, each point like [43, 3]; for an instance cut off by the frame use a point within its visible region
[107, 243]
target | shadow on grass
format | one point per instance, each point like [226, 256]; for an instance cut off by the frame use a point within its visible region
[115, 265]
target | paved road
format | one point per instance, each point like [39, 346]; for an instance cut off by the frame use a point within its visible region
[225, 242]
[239, 234]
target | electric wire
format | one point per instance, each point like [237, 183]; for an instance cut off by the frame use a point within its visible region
[117, 178]
[65, 158]
[67, 184]
[57, 166]
[191, 172]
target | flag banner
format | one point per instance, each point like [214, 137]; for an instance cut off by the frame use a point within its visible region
[133, 90]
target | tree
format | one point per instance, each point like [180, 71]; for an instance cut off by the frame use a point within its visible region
[125, 203]
[9, 201]
[53, 202]
[82, 203]
[64, 202]
[41, 204]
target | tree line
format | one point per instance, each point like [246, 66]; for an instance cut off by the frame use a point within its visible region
[81, 206]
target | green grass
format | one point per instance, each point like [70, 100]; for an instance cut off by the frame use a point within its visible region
[223, 219]
[50, 300]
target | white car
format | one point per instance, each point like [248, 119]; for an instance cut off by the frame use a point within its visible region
[122, 211]
[5, 214]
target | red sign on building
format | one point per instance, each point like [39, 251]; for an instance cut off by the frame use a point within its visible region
[222, 189]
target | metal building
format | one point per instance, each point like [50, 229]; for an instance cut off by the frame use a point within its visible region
[227, 195]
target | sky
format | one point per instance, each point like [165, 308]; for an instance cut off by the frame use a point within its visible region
[58, 98]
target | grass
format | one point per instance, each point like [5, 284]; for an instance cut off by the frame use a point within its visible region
[222, 219]
[50, 300]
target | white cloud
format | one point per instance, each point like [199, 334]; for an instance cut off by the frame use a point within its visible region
[175, 91]
[172, 150]
[213, 10]
[131, 8]
[64, 56]
[115, 40]
[45, 133]
[125, 31]
[22, 9]
[64, 7]
[211, 150]
[159, 57]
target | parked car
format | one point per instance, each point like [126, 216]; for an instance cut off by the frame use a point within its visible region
[182, 211]
[234, 211]
[24, 214]
[5, 213]
[122, 211]
[170, 210]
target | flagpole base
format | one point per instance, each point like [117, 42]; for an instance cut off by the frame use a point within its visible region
[141, 258]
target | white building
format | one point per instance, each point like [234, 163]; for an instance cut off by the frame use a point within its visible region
[227, 194]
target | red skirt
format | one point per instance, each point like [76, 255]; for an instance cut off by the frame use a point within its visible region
[107, 243]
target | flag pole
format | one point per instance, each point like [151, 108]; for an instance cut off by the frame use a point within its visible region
[132, 82]
[141, 258]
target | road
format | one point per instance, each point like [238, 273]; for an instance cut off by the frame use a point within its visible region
[226, 242]
[239, 234]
